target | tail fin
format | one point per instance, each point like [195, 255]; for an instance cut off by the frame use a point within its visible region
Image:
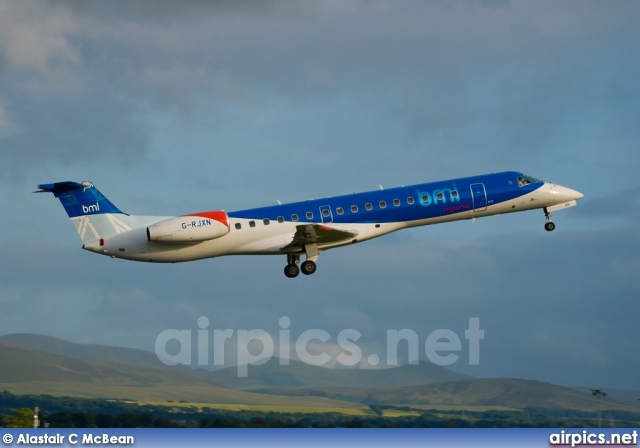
[92, 214]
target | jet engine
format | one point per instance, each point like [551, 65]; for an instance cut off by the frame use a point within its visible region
[190, 228]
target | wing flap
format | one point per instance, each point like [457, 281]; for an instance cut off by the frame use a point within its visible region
[321, 235]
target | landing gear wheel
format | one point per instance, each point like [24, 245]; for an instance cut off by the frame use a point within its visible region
[291, 270]
[308, 267]
[549, 226]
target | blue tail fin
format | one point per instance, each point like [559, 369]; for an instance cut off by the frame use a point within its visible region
[79, 199]
[92, 214]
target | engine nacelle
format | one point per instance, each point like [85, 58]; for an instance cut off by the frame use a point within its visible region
[196, 227]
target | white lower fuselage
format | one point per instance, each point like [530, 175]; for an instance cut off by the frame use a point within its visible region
[256, 236]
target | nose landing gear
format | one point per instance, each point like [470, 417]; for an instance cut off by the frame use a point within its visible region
[548, 226]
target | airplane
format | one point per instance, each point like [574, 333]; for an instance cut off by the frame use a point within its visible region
[301, 228]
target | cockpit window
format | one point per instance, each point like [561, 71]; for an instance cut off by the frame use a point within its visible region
[526, 180]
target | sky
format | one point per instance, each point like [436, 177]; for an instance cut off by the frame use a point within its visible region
[176, 107]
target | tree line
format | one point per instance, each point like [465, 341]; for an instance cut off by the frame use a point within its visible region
[16, 411]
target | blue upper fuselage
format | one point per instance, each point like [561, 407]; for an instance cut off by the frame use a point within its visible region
[408, 203]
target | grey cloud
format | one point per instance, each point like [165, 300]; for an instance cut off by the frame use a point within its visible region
[73, 130]
[163, 9]
[235, 104]
[622, 206]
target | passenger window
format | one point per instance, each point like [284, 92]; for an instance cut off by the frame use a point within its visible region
[396, 202]
[280, 219]
[354, 209]
[383, 204]
[454, 194]
[439, 196]
[425, 198]
[309, 215]
[238, 226]
[410, 200]
[325, 212]
[266, 221]
[252, 223]
[339, 210]
[368, 206]
[294, 217]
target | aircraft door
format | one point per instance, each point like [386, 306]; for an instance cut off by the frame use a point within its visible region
[325, 214]
[479, 197]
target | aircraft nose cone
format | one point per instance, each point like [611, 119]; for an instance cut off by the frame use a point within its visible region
[564, 194]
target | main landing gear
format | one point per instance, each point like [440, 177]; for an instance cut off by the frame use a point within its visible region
[292, 270]
[549, 226]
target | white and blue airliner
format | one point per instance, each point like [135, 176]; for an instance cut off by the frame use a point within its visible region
[301, 228]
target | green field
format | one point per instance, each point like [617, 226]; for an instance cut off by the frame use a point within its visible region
[285, 409]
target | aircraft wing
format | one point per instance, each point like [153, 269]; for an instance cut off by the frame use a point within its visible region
[307, 234]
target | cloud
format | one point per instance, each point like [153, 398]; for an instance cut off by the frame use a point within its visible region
[6, 125]
[36, 37]
[170, 107]
[77, 130]
[621, 206]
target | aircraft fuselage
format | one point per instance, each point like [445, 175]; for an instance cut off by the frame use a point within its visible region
[308, 227]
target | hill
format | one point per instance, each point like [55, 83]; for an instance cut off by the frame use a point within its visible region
[93, 352]
[617, 394]
[511, 393]
[271, 374]
[494, 393]
[61, 368]
[298, 374]
[29, 371]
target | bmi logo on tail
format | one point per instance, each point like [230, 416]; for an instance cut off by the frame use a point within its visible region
[91, 208]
